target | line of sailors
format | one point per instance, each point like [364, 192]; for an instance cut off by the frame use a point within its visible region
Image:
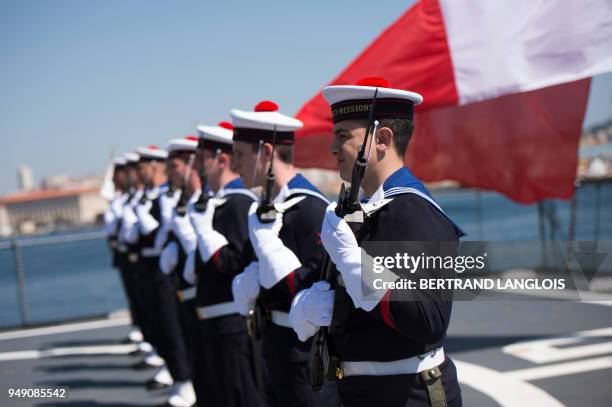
[196, 259]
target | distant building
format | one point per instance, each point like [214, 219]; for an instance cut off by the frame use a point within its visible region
[63, 181]
[50, 209]
[596, 152]
[25, 178]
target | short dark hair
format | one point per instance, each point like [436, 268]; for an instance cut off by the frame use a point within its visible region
[284, 151]
[402, 131]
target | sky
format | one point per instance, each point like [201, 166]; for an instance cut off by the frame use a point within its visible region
[81, 79]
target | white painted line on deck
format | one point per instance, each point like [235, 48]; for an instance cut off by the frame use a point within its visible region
[58, 329]
[561, 369]
[73, 351]
[505, 390]
[19, 355]
[550, 350]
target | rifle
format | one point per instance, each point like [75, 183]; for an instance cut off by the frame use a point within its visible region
[266, 213]
[202, 201]
[132, 248]
[322, 364]
[181, 206]
[131, 190]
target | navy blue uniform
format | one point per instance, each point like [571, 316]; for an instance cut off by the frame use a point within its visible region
[120, 261]
[405, 323]
[191, 335]
[228, 351]
[141, 281]
[285, 356]
[163, 308]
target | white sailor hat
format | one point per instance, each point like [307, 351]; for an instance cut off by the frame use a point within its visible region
[119, 161]
[131, 158]
[151, 153]
[180, 145]
[217, 137]
[260, 124]
[354, 101]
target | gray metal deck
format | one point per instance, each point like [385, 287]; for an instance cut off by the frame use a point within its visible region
[577, 371]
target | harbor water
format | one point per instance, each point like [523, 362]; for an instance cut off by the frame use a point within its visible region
[75, 279]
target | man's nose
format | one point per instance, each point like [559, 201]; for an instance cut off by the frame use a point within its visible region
[334, 148]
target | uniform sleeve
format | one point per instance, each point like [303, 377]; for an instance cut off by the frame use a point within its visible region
[307, 234]
[232, 258]
[420, 315]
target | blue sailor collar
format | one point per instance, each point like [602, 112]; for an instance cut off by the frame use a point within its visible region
[401, 182]
[299, 185]
[235, 186]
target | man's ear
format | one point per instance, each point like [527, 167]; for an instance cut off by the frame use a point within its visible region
[224, 160]
[383, 138]
[267, 150]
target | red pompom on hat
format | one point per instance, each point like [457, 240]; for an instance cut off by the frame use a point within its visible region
[373, 81]
[192, 138]
[266, 106]
[226, 125]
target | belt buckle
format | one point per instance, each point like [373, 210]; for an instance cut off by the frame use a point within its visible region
[133, 257]
[335, 366]
[430, 374]
[179, 294]
[339, 372]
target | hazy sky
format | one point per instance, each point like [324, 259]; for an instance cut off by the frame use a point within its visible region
[80, 78]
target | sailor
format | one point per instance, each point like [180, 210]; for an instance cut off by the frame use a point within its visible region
[388, 348]
[284, 233]
[178, 262]
[153, 224]
[223, 251]
[129, 236]
[112, 223]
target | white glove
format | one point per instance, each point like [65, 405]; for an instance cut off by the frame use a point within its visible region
[245, 288]
[318, 304]
[189, 270]
[116, 206]
[276, 260]
[146, 221]
[168, 258]
[302, 327]
[181, 226]
[130, 221]
[341, 245]
[209, 240]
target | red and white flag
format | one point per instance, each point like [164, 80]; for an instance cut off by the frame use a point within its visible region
[505, 84]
